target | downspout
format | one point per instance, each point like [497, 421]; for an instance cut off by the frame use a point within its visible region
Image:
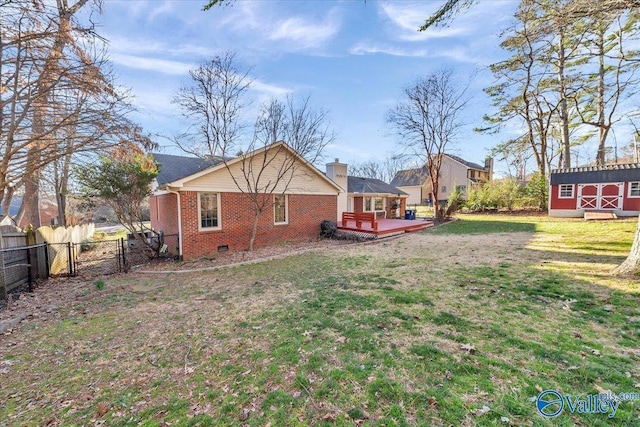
[177, 193]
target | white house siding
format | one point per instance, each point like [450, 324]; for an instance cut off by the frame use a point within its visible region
[415, 195]
[306, 180]
[452, 174]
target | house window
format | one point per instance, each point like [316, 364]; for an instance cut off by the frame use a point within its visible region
[379, 204]
[373, 204]
[280, 208]
[461, 188]
[443, 189]
[634, 189]
[566, 191]
[209, 210]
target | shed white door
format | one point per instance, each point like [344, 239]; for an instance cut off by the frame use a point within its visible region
[607, 196]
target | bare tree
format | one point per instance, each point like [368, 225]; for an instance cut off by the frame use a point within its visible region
[265, 167]
[369, 169]
[212, 104]
[58, 96]
[287, 137]
[384, 170]
[428, 120]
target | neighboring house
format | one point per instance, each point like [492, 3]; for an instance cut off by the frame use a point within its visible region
[412, 182]
[199, 202]
[454, 172]
[48, 211]
[609, 188]
[366, 194]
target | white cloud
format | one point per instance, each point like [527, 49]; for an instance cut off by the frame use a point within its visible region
[145, 46]
[155, 64]
[167, 7]
[304, 32]
[262, 24]
[364, 49]
[409, 16]
[458, 54]
[269, 89]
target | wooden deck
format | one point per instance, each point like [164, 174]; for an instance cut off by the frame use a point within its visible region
[387, 227]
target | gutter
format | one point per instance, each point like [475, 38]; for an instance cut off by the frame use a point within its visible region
[177, 193]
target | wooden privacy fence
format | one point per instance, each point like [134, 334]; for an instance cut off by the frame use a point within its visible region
[59, 238]
[21, 260]
[27, 256]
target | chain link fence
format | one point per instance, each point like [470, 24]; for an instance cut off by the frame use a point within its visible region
[25, 265]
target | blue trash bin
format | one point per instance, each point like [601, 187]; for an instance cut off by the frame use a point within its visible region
[409, 214]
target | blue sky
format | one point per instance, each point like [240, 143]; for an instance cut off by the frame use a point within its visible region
[351, 57]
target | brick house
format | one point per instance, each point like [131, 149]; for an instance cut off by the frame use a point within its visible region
[614, 189]
[197, 203]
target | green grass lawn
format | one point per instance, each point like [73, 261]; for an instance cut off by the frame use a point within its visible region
[460, 325]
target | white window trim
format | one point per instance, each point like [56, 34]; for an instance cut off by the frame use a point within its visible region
[629, 191]
[373, 204]
[573, 190]
[219, 227]
[286, 209]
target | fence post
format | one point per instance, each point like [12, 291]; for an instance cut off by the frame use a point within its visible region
[29, 269]
[46, 259]
[124, 257]
[69, 261]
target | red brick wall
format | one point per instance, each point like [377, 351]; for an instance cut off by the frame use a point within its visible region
[306, 212]
[163, 210]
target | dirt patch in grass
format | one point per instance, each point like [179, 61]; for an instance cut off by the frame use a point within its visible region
[239, 257]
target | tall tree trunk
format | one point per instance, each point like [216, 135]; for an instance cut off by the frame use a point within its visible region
[6, 200]
[46, 83]
[563, 108]
[632, 264]
[254, 228]
[31, 198]
[602, 131]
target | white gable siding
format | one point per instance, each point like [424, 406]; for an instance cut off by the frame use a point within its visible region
[302, 180]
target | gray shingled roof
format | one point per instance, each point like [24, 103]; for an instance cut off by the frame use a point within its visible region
[370, 186]
[172, 168]
[410, 177]
[464, 162]
[595, 174]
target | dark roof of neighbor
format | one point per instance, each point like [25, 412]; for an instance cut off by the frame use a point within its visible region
[356, 184]
[172, 167]
[464, 162]
[596, 174]
[410, 177]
